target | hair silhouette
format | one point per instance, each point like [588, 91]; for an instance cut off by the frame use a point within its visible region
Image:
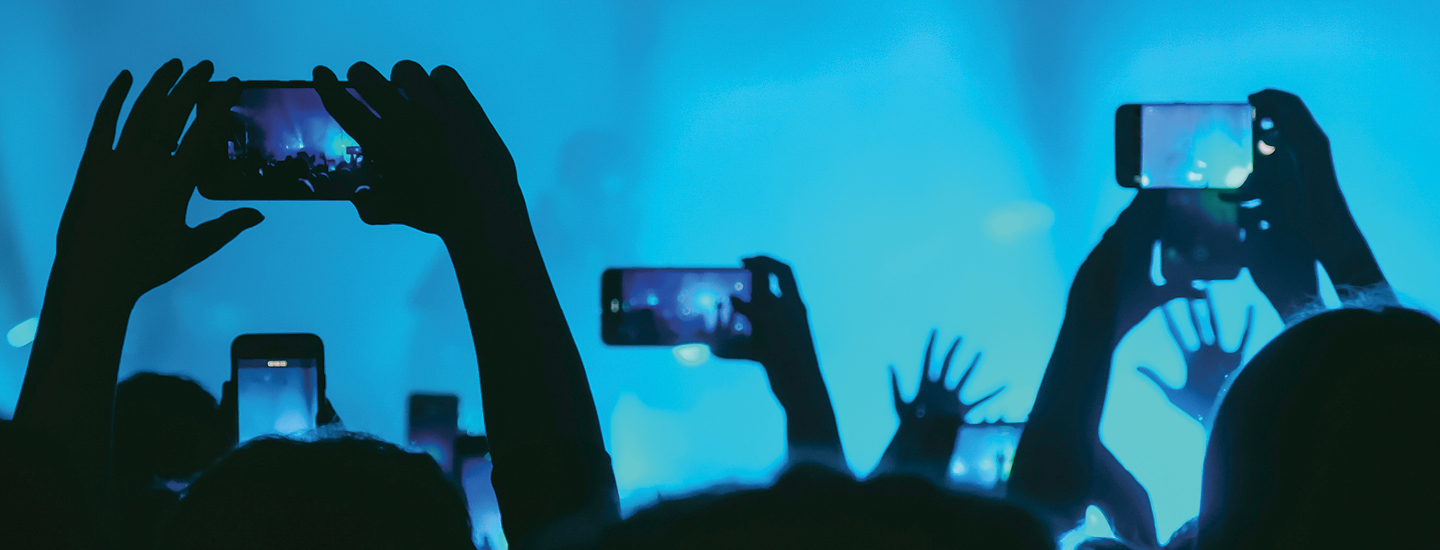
[345, 492]
[1292, 461]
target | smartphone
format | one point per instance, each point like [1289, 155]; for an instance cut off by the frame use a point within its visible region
[473, 467]
[983, 455]
[433, 424]
[672, 306]
[1195, 152]
[281, 144]
[279, 383]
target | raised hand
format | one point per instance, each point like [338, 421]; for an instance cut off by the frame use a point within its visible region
[124, 232]
[439, 164]
[1293, 213]
[934, 399]
[1206, 367]
[929, 423]
[780, 341]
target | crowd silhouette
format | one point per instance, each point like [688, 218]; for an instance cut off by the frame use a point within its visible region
[151, 462]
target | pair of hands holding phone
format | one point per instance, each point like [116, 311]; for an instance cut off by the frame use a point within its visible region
[445, 172]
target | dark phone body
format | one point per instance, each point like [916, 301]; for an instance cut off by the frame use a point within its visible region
[1200, 236]
[433, 424]
[279, 383]
[281, 144]
[672, 306]
[982, 456]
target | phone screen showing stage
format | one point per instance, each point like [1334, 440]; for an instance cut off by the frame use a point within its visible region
[668, 307]
[283, 145]
[275, 396]
[1195, 146]
[983, 454]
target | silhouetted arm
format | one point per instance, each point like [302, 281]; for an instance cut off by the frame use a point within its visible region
[123, 233]
[444, 170]
[1060, 465]
[1293, 213]
[781, 342]
[930, 423]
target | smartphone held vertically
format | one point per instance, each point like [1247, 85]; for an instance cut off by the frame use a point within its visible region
[281, 144]
[434, 422]
[673, 306]
[279, 383]
[1194, 152]
[473, 467]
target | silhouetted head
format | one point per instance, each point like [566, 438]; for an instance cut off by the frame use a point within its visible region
[40, 504]
[813, 507]
[167, 429]
[1326, 438]
[344, 492]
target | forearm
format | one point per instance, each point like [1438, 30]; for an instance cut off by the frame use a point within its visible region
[69, 388]
[811, 432]
[549, 455]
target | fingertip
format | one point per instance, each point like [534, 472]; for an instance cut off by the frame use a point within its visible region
[322, 73]
[245, 218]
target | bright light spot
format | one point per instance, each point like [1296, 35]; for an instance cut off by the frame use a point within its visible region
[1264, 225]
[1252, 203]
[691, 355]
[23, 333]
[280, 363]
[739, 287]
[652, 300]
[1194, 176]
[1265, 148]
[958, 468]
[706, 300]
[1199, 164]
[615, 305]
[774, 285]
[1266, 123]
[1143, 180]
[1017, 220]
[1236, 177]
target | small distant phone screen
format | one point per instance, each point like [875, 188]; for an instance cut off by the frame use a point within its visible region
[1195, 146]
[484, 508]
[433, 426]
[983, 455]
[275, 396]
[283, 145]
[669, 307]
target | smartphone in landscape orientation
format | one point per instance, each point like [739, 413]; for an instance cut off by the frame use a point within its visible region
[1195, 152]
[281, 144]
[433, 424]
[279, 383]
[672, 306]
[983, 455]
[472, 467]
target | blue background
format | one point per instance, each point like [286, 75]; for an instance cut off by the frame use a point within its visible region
[922, 164]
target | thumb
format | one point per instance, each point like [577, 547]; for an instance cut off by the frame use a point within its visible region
[209, 237]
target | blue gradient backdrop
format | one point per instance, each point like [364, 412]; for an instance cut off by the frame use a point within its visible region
[922, 164]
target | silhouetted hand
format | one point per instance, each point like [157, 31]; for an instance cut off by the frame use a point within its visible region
[439, 165]
[1113, 284]
[123, 231]
[781, 342]
[1206, 367]
[929, 423]
[934, 400]
[1292, 210]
